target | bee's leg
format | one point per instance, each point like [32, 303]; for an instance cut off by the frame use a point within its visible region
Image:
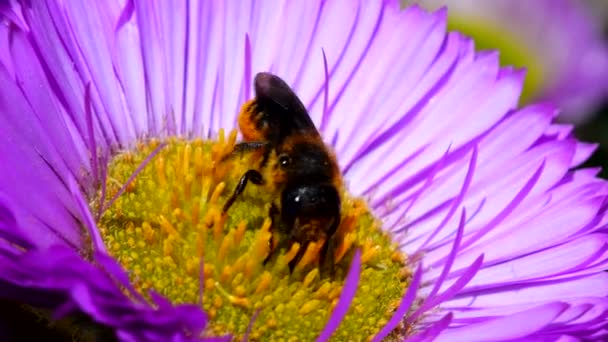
[252, 176]
[273, 211]
[265, 157]
[328, 252]
[247, 146]
[327, 256]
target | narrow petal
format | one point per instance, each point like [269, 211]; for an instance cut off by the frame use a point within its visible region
[509, 327]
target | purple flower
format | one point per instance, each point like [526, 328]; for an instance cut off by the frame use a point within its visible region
[559, 42]
[508, 241]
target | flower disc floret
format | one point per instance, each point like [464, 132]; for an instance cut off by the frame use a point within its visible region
[164, 222]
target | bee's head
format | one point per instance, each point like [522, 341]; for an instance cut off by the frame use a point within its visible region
[307, 202]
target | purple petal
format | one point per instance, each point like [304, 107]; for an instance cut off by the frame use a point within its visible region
[348, 293]
[404, 306]
[431, 332]
[509, 327]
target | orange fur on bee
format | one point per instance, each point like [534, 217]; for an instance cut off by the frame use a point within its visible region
[294, 140]
[247, 122]
[276, 174]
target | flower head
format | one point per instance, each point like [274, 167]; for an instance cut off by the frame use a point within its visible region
[560, 44]
[111, 139]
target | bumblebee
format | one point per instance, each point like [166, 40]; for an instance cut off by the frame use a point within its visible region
[293, 161]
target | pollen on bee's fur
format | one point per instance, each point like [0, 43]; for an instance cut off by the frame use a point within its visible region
[168, 230]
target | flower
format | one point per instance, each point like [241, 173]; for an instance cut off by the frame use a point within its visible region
[504, 240]
[560, 43]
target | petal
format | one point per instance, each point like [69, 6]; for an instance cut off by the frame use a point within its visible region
[509, 327]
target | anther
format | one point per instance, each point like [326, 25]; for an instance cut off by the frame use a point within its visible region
[309, 306]
[217, 192]
[293, 251]
[187, 152]
[310, 256]
[240, 301]
[167, 227]
[265, 280]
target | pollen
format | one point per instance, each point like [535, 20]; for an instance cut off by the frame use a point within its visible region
[166, 227]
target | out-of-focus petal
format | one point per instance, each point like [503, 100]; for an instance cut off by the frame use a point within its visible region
[568, 58]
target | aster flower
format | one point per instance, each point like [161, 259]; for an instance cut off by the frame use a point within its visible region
[104, 104]
[559, 42]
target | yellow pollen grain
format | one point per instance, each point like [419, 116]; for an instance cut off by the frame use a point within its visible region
[205, 189]
[397, 257]
[369, 253]
[198, 160]
[240, 291]
[239, 301]
[178, 215]
[335, 293]
[309, 306]
[404, 274]
[264, 284]
[310, 277]
[212, 313]
[261, 246]
[131, 186]
[148, 232]
[310, 256]
[217, 192]
[323, 291]
[218, 224]
[226, 244]
[290, 254]
[208, 270]
[218, 302]
[231, 140]
[193, 266]
[271, 323]
[216, 150]
[250, 267]
[211, 221]
[179, 161]
[240, 232]
[167, 227]
[188, 180]
[240, 263]
[187, 153]
[344, 246]
[226, 274]
[237, 280]
[201, 240]
[195, 219]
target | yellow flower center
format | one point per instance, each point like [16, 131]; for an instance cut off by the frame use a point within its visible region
[168, 225]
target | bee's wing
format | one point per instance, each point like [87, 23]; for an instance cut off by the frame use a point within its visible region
[282, 108]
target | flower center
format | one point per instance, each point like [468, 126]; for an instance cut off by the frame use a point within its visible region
[166, 227]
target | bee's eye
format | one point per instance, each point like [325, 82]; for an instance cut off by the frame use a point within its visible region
[284, 160]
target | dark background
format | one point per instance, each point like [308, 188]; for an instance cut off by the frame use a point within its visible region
[596, 130]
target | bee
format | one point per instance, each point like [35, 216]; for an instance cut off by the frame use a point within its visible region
[293, 162]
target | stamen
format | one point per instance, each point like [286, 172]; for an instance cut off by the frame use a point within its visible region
[310, 256]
